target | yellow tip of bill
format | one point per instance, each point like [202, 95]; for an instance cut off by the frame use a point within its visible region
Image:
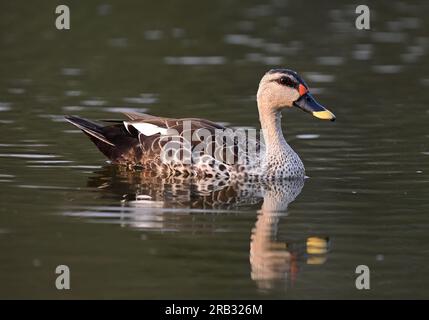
[325, 115]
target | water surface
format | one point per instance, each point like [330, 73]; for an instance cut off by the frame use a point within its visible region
[126, 236]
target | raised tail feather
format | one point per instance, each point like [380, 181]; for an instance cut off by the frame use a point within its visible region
[113, 140]
[97, 133]
[92, 129]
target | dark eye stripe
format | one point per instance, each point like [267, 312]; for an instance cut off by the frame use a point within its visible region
[286, 81]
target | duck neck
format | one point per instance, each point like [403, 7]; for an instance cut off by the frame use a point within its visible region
[275, 143]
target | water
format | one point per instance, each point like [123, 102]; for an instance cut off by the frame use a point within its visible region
[366, 201]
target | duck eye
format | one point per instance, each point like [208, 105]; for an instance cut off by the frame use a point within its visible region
[286, 81]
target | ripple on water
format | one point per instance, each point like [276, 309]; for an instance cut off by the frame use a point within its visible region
[177, 32]
[388, 37]
[387, 69]
[413, 53]
[94, 102]
[144, 98]
[194, 60]
[118, 42]
[268, 60]
[104, 9]
[28, 156]
[238, 39]
[52, 162]
[31, 186]
[6, 178]
[253, 42]
[153, 35]
[73, 108]
[319, 77]
[54, 117]
[23, 145]
[16, 90]
[5, 106]
[330, 61]
[362, 52]
[51, 166]
[307, 136]
[124, 109]
[6, 175]
[317, 90]
[424, 81]
[72, 131]
[71, 72]
[150, 215]
[72, 93]
[404, 23]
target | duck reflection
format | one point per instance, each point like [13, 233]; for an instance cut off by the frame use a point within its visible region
[271, 261]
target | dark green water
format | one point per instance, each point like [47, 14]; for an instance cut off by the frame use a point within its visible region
[366, 201]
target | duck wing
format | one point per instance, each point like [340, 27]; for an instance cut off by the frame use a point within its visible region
[142, 140]
[180, 137]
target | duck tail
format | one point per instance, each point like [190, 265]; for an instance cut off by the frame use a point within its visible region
[92, 129]
[95, 132]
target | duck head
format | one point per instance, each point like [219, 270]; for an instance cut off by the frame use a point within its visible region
[283, 88]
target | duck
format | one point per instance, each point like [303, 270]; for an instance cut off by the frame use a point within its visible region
[191, 147]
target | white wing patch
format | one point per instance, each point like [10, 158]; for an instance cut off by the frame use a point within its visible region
[148, 129]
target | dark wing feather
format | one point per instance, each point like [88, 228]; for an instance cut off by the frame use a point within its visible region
[129, 146]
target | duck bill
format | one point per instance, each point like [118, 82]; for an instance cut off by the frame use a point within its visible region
[307, 103]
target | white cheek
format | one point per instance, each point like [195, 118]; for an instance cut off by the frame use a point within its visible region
[295, 95]
[290, 94]
[147, 129]
[287, 96]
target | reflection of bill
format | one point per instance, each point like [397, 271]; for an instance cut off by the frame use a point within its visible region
[317, 248]
[272, 260]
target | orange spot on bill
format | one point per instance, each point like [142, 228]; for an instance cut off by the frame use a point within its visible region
[302, 90]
